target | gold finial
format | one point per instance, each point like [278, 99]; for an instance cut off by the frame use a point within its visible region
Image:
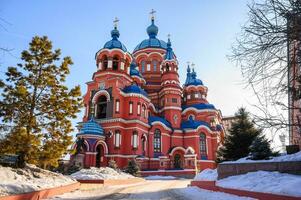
[116, 20]
[152, 13]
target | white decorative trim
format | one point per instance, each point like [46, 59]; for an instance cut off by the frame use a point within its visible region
[161, 124]
[196, 87]
[189, 149]
[198, 111]
[211, 161]
[99, 93]
[134, 95]
[190, 155]
[104, 73]
[189, 130]
[90, 153]
[100, 142]
[177, 148]
[114, 49]
[120, 156]
[123, 121]
[170, 108]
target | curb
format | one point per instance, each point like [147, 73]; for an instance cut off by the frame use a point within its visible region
[210, 185]
[45, 193]
[112, 181]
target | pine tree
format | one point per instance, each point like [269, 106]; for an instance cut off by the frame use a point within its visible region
[133, 168]
[241, 135]
[38, 106]
[260, 148]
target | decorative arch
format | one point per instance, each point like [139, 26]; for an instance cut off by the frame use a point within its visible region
[74, 145]
[104, 145]
[176, 149]
[189, 149]
[99, 93]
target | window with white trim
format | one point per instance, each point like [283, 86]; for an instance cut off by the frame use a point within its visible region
[131, 108]
[143, 113]
[117, 138]
[135, 140]
[188, 96]
[138, 109]
[203, 147]
[117, 106]
[157, 141]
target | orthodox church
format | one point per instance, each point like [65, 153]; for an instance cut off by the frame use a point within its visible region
[136, 108]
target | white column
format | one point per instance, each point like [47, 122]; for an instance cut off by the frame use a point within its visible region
[110, 64]
[122, 65]
[128, 70]
[99, 66]
[148, 67]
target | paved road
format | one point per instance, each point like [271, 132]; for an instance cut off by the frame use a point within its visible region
[148, 190]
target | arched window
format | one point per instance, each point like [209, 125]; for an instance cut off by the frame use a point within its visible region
[203, 147]
[105, 62]
[143, 143]
[101, 107]
[157, 141]
[143, 113]
[155, 65]
[115, 63]
[167, 67]
[143, 66]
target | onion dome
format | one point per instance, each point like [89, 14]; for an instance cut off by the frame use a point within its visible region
[91, 127]
[169, 52]
[192, 79]
[115, 43]
[134, 71]
[134, 89]
[152, 42]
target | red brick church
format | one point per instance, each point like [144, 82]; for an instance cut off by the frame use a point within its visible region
[136, 108]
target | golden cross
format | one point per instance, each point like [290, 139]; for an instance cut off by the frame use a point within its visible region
[116, 22]
[188, 63]
[168, 35]
[152, 13]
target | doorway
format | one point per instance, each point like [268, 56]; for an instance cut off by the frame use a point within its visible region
[177, 161]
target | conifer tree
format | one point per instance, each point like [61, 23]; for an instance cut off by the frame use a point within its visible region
[260, 149]
[132, 168]
[38, 106]
[240, 137]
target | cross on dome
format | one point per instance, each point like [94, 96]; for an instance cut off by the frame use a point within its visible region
[152, 13]
[116, 20]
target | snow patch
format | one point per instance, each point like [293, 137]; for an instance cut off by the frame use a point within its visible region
[282, 158]
[263, 181]
[195, 193]
[156, 177]
[100, 173]
[29, 179]
[206, 175]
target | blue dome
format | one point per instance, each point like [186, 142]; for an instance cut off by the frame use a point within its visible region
[134, 89]
[192, 124]
[134, 71]
[91, 127]
[191, 78]
[115, 43]
[152, 32]
[200, 106]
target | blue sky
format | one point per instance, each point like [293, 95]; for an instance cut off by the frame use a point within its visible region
[202, 32]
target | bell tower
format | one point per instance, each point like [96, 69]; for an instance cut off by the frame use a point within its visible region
[171, 91]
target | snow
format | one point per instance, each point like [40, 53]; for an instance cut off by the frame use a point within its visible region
[282, 158]
[156, 177]
[28, 179]
[195, 193]
[100, 173]
[206, 175]
[263, 181]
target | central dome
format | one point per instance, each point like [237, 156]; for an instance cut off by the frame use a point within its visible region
[152, 32]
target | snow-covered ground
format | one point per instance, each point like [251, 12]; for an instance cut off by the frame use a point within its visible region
[100, 173]
[206, 175]
[156, 177]
[195, 193]
[28, 179]
[282, 158]
[263, 181]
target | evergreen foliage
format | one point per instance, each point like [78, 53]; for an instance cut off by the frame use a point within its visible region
[38, 106]
[238, 140]
[133, 168]
[260, 149]
[112, 164]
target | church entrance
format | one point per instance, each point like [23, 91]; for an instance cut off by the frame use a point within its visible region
[99, 156]
[177, 161]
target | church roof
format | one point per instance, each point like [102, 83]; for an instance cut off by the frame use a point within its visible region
[199, 106]
[134, 71]
[152, 41]
[91, 127]
[193, 124]
[134, 89]
[191, 78]
[169, 52]
[114, 42]
[152, 119]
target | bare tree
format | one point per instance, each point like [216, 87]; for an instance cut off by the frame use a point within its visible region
[262, 52]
